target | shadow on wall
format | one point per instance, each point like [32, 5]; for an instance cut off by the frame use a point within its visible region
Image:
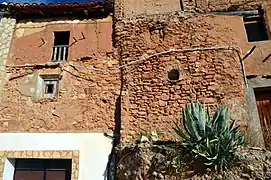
[110, 171]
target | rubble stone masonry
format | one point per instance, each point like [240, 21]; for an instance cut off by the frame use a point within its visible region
[90, 87]
[212, 76]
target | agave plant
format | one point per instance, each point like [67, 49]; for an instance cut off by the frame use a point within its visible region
[212, 142]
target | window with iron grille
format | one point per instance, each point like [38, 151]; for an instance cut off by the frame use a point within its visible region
[42, 169]
[61, 46]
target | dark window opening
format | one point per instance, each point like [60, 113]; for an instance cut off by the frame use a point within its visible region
[43, 169]
[50, 88]
[61, 45]
[255, 28]
[173, 75]
[62, 38]
[263, 93]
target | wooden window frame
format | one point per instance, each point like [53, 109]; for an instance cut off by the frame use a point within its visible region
[54, 81]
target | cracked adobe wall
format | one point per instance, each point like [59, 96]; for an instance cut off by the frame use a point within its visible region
[86, 101]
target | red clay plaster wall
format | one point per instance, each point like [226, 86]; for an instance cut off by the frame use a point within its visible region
[132, 8]
[259, 63]
[28, 45]
[86, 101]
[87, 98]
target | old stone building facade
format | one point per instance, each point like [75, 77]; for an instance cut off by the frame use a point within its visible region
[57, 93]
[92, 68]
[205, 42]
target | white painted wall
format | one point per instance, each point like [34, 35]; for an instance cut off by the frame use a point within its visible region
[94, 148]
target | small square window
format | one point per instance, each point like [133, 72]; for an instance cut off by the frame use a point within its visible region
[50, 88]
[255, 28]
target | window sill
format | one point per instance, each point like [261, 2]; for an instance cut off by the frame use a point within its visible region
[49, 99]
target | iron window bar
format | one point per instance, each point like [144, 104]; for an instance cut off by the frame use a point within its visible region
[60, 53]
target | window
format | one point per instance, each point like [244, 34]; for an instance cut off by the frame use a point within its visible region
[42, 169]
[61, 45]
[255, 28]
[50, 88]
[173, 75]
